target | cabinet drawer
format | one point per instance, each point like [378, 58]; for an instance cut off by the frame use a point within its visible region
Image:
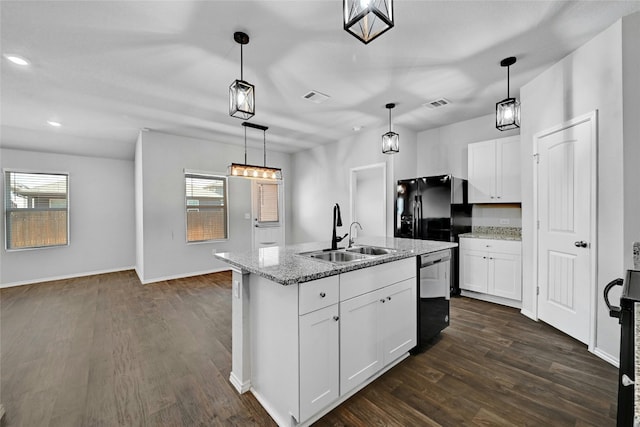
[318, 294]
[491, 245]
[359, 282]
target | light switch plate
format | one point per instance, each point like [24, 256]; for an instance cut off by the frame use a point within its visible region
[247, 215]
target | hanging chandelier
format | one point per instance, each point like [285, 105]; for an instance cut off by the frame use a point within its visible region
[390, 140]
[241, 93]
[508, 110]
[252, 171]
[367, 19]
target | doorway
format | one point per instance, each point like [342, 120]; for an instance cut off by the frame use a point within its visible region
[267, 211]
[368, 199]
[565, 198]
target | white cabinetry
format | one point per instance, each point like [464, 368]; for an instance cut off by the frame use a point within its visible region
[379, 325]
[491, 270]
[316, 343]
[494, 171]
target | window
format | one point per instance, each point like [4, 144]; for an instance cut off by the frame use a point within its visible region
[268, 203]
[206, 204]
[36, 210]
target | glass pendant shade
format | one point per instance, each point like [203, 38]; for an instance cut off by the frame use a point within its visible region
[508, 114]
[508, 110]
[390, 143]
[367, 19]
[241, 100]
[241, 93]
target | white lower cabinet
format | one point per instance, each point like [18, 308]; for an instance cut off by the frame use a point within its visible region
[375, 329]
[319, 357]
[491, 267]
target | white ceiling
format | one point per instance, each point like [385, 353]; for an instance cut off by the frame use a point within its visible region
[106, 69]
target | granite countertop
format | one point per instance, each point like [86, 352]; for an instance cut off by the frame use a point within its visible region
[283, 265]
[496, 233]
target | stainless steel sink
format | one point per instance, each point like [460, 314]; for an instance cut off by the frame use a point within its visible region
[342, 256]
[371, 250]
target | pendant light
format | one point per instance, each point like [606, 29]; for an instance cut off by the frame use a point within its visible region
[367, 19]
[241, 93]
[390, 140]
[253, 171]
[508, 110]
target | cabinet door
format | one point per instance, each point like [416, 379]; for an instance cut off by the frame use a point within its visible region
[482, 172]
[398, 319]
[505, 276]
[319, 369]
[360, 339]
[473, 270]
[508, 170]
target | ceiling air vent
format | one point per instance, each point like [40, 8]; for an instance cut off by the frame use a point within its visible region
[316, 97]
[441, 102]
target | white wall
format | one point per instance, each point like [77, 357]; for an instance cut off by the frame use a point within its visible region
[164, 158]
[588, 79]
[101, 219]
[321, 178]
[444, 150]
[631, 129]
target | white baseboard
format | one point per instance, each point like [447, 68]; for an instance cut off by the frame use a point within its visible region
[491, 298]
[607, 357]
[65, 276]
[529, 314]
[238, 385]
[182, 276]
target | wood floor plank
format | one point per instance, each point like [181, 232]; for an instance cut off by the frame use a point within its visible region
[105, 350]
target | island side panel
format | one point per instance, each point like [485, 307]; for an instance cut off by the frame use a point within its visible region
[240, 376]
[274, 348]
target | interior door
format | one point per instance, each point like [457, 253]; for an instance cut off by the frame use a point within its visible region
[564, 235]
[267, 210]
[368, 200]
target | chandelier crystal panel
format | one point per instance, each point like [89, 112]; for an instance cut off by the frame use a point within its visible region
[508, 110]
[367, 19]
[390, 140]
[241, 93]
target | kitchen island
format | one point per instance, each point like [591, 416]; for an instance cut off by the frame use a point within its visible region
[307, 333]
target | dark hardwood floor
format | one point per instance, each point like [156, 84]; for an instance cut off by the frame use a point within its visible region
[106, 351]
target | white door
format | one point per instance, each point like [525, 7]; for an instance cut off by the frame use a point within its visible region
[473, 270]
[267, 210]
[508, 170]
[505, 275]
[482, 171]
[368, 200]
[564, 237]
[360, 340]
[318, 360]
[399, 319]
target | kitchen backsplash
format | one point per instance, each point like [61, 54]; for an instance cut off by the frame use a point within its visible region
[497, 215]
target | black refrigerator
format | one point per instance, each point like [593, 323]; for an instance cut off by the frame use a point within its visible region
[433, 208]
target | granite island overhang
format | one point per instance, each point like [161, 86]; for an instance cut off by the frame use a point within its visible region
[307, 334]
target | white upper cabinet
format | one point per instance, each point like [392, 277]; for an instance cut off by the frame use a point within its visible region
[494, 171]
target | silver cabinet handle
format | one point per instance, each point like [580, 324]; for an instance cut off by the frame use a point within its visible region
[581, 244]
[322, 295]
[336, 318]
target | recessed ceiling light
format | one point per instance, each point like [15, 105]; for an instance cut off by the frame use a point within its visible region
[18, 60]
[54, 124]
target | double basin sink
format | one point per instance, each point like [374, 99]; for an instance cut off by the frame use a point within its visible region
[348, 255]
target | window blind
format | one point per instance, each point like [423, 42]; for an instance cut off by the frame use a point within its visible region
[206, 207]
[268, 202]
[36, 210]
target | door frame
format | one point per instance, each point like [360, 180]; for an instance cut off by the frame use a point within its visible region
[591, 118]
[353, 188]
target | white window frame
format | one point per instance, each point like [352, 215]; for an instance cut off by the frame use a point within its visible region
[6, 208]
[210, 175]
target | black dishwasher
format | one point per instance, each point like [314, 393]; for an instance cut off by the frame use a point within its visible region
[434, 282]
